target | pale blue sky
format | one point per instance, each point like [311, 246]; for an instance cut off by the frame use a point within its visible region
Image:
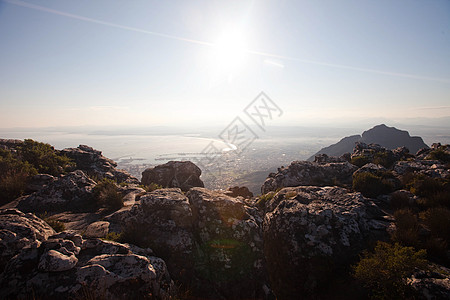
[159, 62]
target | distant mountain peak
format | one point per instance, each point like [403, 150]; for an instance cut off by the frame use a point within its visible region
[383, 135]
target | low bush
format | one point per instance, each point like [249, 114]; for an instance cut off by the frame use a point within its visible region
[407, 227]
[371, 185]
[437, 219]
[107, 194]
[386, 159]
[58, 226]
[384, 271]
[263, 199]
[14, 174]
[439, 154]
[44, 158]
[359, 161]
[399, 200]
[152, 187]
[114, 236]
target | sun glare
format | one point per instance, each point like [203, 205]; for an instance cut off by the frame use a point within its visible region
[229, 50]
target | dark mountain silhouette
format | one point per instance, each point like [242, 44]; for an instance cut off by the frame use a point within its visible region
[388, 137]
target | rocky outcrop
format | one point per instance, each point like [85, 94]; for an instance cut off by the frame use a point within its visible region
[174, 174]
[431, 284]
[309, 173]
[387, 137]
[66, 266]
[229, 256]
[163, 221]
[92, 162]
[19, 230]
[237, 191]
[311, 232]
[68, 192]
[210, 241]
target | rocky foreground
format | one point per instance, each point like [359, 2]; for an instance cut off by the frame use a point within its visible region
[181, 240]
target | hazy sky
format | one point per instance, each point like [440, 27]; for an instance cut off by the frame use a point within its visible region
[184, 62]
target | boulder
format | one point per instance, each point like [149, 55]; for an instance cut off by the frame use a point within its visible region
[67, 267]
[163, 221]
[97, 229]
[228, 259]
[237, 191]
[431, 284]
[94, 163]
[310, 233]
[18, 231]
[174, 174]
[71, 191]
[310, 173]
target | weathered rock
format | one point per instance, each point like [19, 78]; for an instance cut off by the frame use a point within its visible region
[18, 231]
[163, 220]
[431, 285]
[67, 267]
[71, 191]
[174, 174]
[97, 229]
[93, 162]
[38, 182]
[311, 232]
[371, 168]
[309, 173]
[431, 168]
[229, 257]
[324, 158]
[237, 191]
[54, 261]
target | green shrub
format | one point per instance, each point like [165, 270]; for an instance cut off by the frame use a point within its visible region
[386, 159]
[359, 161]
[433, 191]
[263, 199]
[371, 185]
[58, 226]
[384, 271]
[439, 154]
[151, 187]
[407, 227]
[399, 200]
[114, 236]
[44, 157]
[107, 194]
[14, 174]
[437, 219]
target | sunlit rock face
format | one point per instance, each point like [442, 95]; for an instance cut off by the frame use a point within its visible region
[19, 230]
[71, 191]
[94, 163]
[66, 266]
[310, 232]
[310, 173]
[174, 174]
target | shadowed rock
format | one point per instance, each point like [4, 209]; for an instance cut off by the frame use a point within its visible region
[309, 173]
[310, 232]
[174, 174]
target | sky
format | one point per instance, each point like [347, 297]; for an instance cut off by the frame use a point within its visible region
[163, 63]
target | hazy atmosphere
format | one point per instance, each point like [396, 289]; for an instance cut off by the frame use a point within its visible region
[145, 63]
[233, 149]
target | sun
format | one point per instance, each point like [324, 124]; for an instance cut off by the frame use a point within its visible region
[229, 50]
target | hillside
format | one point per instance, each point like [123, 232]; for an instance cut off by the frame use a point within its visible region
[85, 229]
[388, 137]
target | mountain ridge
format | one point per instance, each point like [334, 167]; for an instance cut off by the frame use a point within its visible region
[385, 136]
